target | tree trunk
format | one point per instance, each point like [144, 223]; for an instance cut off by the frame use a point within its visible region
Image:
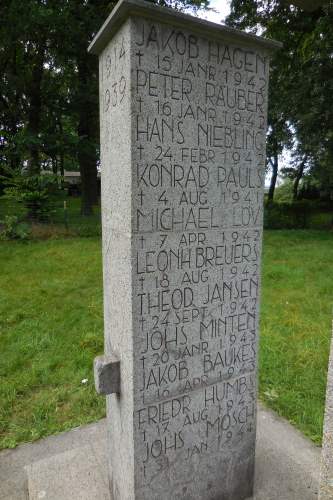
[10, 116]
[275, 167]
[87, 127]
[62, 169]
[298, 177]
[35, 108]
[61, 162]
[88, 171]
[54, 162]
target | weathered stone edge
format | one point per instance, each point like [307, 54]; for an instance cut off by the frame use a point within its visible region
[326, 470]
[126, 8]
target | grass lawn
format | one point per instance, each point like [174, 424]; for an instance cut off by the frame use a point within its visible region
[51, 328]
[296, 318]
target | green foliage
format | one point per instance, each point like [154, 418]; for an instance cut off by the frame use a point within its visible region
[303, 214]
[61, 221]
[301, 87]
[12, 229]
[287, 216]
[284, 192]
[34, 192]
[49, 86]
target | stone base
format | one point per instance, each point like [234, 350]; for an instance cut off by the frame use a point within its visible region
[72, 464]
[79, 474]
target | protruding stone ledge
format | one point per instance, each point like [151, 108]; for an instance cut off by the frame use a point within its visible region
[141, 8]
[107, 374]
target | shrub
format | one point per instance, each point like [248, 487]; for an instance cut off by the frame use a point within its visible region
[288, 215]
[34, 192]
[12, 229]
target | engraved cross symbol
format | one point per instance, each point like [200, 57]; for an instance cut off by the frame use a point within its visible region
[139, 54]
[142, 280]
[142, 321]
[141, 196]
[140, 101]
[140, 148]
[142, 239]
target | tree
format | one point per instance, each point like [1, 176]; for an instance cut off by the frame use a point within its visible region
[75, 23]
[23, 54]
[12, 83]
[278, 137]
[301, 96]
[49, 86]
[87, 16]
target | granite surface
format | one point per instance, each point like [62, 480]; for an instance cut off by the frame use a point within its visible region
[326, 472]
[183, 123]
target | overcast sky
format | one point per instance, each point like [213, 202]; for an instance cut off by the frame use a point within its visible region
[222, 9]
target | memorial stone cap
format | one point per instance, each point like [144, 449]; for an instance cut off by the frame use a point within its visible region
[126, 8]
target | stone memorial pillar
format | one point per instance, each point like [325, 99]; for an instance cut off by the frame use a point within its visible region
[326, 473]
[183, 121]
